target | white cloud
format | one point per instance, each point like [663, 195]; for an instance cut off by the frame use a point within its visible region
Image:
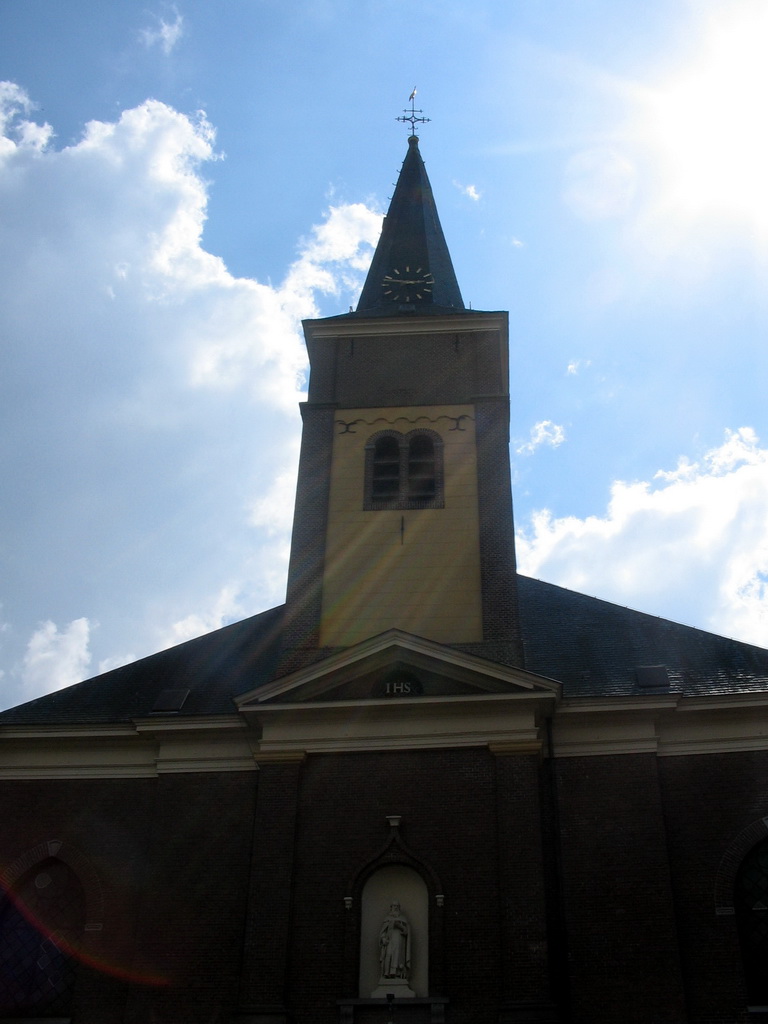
[13, 100]
[114, 661]
[576, 365]
[470, 191]
[545, 432]
[31, 137]
[5, 627]
[226, 607]
[273, 510]
[165, 34]
[330, 262]
[150, 393]
[696, 537]
[56, 659]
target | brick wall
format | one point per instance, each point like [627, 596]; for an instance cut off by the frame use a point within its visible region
[230, 887]
[448, 802]
[709, 801]
[621, 930]
[167, 859]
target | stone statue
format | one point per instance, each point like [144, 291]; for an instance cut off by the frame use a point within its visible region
[394, 956]
[395, 945]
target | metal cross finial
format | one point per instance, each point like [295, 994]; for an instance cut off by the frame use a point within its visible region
[410, 115]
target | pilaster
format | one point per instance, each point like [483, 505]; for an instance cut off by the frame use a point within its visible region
[268, 924]
[524, 977]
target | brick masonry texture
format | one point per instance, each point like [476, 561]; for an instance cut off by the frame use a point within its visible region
[709, 801]
[624, 959]
[447, 803]
[444, 368]
[222, 895]
[171, 859]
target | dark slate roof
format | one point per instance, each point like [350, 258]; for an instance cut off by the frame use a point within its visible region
[214, 668]
[594, 648]
[412, 245]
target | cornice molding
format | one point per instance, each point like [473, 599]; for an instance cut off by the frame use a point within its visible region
[358, 327]
[171, 723]
[511, 721]
[65, 770]
[54, 732]
[507, 723]
[666, 725]
[144, 749]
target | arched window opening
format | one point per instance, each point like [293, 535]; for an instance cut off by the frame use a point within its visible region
[386, 469]
[421, 468]
[41, 926]
[404, 471]
[751, 906]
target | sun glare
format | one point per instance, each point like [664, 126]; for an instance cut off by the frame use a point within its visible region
[710, 123]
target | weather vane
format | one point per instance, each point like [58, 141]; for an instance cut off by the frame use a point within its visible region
[410, 115]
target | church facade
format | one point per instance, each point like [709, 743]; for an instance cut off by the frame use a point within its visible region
[427, 789]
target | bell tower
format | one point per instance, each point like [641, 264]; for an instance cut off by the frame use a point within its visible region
[403, 513]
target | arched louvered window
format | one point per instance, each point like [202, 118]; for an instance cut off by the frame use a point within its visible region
[404, 470]
[41, 926]
[386, 469]
[751, 906]
[421, 468]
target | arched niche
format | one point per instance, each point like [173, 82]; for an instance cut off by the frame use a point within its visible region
[42, 919]
[394, 883]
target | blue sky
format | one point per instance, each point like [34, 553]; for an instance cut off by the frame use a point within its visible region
[181, 183]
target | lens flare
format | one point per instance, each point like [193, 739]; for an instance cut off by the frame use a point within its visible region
[708, 123]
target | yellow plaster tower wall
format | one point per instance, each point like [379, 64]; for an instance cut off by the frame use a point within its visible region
[411, 569]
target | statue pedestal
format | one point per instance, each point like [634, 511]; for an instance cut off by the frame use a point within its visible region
[398, 987]
[422, 1010]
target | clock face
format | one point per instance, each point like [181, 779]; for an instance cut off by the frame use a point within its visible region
[408, 284]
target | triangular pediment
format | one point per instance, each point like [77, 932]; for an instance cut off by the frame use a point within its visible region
[397, 666]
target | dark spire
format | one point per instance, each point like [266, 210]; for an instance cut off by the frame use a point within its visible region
[411, 270]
